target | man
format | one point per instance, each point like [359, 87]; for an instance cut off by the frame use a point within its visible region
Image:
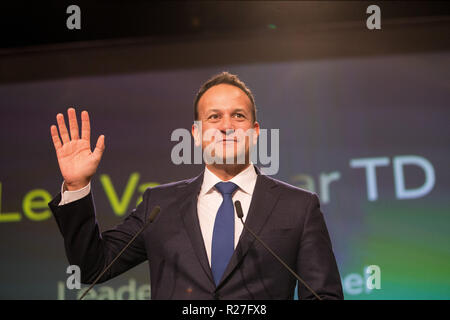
[196, 247]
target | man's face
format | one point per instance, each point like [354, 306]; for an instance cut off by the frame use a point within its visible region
[225, 113]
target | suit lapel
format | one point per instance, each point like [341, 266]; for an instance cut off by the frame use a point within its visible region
[263, 201]
[188, 210]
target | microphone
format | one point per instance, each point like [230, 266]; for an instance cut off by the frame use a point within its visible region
[152, 217]
[240, 214]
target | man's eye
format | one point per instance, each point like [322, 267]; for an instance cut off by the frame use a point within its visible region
[213, 116]
[239, 115]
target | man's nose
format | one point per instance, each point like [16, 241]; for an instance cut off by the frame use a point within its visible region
[226, 125]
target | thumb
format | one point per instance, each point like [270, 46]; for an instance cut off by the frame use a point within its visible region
[99, 148]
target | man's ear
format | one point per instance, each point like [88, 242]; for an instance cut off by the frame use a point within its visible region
[255, 133]
[197, 133]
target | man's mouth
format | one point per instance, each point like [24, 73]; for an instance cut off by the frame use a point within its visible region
[227, 140]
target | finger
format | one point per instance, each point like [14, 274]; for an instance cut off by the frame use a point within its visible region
[62, 128]
[99, 148]
[73, 124]
[55, 137]
[85, 126]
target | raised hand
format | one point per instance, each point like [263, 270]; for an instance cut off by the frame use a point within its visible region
[76, 161]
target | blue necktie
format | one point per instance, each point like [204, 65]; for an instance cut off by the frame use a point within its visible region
[223, 235]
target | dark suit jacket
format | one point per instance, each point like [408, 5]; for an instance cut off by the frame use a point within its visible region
[287, 218]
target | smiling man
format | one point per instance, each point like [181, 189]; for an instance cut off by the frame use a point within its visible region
[227, 113]
[196, 247]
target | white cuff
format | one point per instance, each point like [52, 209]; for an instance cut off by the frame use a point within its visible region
[71, 196]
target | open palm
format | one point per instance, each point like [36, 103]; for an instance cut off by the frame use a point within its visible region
[76, 161]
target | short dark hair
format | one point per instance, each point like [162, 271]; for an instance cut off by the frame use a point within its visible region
[224, 78]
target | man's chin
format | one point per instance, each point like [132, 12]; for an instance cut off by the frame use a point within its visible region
[227, 156]
[232, 159]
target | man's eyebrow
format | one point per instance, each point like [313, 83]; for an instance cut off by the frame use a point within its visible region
[213, 110]
[219, 110]
[239, 110]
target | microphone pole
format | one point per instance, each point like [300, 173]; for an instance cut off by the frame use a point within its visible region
[152, 217]
[240, 214]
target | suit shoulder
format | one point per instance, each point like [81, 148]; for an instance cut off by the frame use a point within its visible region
[170, 186]
[291, 189]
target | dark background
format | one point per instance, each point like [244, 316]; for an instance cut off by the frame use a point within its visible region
[336, 90]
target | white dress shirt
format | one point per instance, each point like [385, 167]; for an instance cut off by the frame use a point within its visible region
[208, 203]
[71, 196]
[210, 199]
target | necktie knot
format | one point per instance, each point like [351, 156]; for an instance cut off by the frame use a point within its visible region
[226, 187]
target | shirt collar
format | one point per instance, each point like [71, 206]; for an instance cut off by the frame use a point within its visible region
[245, 180]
